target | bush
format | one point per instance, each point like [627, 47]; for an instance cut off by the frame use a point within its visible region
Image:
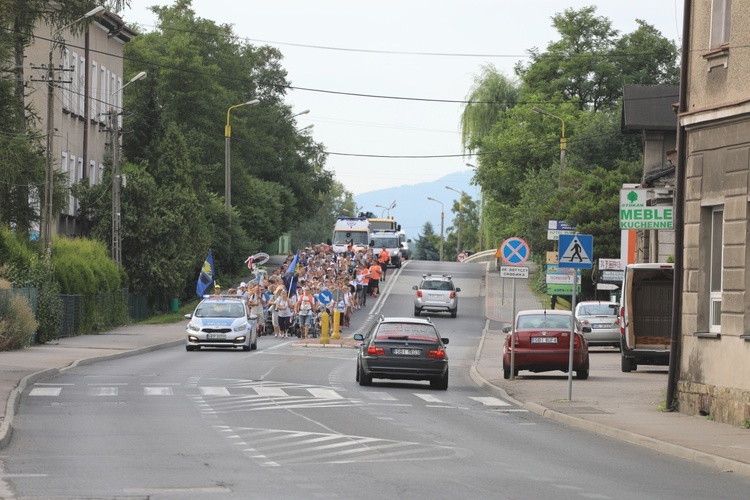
[83, 266]
[17, 325]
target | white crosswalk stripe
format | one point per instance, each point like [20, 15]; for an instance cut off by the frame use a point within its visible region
[157, 391]
[45, 391]
[491, 401]
[429, 398]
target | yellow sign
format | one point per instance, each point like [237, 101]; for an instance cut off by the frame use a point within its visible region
[551, 257]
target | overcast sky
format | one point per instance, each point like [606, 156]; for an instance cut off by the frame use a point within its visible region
[415, 49]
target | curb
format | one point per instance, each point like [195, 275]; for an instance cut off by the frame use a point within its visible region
[6, 428]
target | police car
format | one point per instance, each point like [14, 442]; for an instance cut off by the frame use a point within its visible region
[221, 321]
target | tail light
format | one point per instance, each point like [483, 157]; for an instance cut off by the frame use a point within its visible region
[453, 295]
[436, 353]
[622, 322]
[576, 341]
[375, 351]
[419, 293]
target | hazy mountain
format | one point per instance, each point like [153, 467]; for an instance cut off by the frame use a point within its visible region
[413, 208]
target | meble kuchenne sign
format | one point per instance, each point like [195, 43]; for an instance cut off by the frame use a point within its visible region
[641, 209]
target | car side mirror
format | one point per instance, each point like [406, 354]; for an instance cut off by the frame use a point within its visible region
[359, 336]
[506, 329]
[189, 316]
[458, 289]
[415, 287]
[444, 340]
[372, 243]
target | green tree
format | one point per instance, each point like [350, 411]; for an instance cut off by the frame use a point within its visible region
[491, 93]
[469, 228]
[427, 244]
[318, 227]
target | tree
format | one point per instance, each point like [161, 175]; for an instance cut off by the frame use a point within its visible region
[469, 228]
[490, 94]
[319, 226]
[426, 246]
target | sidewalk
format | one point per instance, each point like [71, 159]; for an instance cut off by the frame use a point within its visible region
[624, 406]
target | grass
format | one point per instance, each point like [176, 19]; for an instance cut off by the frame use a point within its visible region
[162, 319]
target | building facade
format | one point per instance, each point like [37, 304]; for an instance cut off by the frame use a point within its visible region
[88, 71]
[714, 373]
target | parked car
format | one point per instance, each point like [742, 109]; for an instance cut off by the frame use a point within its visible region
[436, 293]
[542, 344]
[603, 320]
[221, 321]
[403, 349]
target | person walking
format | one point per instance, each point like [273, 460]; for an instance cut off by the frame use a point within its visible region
[383, 259]
[274, 311]
[285, 312]
[374, 272]
[304, 310]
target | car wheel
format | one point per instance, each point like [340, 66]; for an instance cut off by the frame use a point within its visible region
[364, 379]
[189, 348]
[441, 383]
[627, 364]
[356, 377]
[506, 371]
[254, 345]
[416, 311]
[454, 313]
[583, 373]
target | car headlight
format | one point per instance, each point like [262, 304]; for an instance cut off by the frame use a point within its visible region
[194, 327]
[240, 328]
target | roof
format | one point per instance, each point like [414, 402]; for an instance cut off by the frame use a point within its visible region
[115, 26]
[649, 107]
[549, 312]
[405, 319]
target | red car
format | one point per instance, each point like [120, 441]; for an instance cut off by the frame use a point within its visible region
[542, 344]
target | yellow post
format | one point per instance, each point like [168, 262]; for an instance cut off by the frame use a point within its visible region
[324, 323]
[336, 324]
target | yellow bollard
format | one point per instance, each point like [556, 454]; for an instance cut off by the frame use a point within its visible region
[336, 324]
[324, 320]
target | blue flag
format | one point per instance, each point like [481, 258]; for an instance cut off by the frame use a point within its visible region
[291, 275]
[206, 276]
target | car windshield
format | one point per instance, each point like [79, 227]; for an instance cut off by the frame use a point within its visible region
[406, 331]
[385, 242]
[220, 310]
[536, 321]
[597, 310]
[437, 285]
[344, 237]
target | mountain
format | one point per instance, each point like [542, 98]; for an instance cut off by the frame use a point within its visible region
[412, 207]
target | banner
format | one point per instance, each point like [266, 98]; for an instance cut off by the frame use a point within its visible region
[206, 276]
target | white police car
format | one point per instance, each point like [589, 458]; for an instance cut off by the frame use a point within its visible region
[221, 321]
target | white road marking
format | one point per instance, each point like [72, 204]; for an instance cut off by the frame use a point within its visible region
[157, 391]
[45, 391]
[103, 391]
[325, 394]
[214, 391]
[428, 397]
[270, 392]
[491, 401]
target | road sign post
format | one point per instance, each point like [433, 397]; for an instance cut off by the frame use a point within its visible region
[576, 251]
[514, 252]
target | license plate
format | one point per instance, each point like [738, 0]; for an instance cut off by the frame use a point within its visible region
[407, 352]
[602, 325]
[435, 296]
[216, 336]
[544, 340]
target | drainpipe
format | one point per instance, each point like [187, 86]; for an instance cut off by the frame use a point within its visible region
[86, 121]
[679, 214]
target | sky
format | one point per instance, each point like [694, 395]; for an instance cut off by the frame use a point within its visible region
[424, 54]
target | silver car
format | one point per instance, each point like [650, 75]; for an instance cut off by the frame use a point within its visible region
[222, 321]
[602, 317]
[436, 293]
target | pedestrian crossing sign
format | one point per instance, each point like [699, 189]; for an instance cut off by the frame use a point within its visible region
[576, 250]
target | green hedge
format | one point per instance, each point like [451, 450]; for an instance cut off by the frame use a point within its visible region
[83, 266]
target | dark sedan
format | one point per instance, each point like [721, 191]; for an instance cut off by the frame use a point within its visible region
[403, 349]
[542, 344]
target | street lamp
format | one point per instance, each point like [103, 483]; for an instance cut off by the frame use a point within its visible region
[388, 209]
[48, 212]
[563, 141]
[460, 209]
[301, 113]
[442, 224]
[116, 178]
[481, 214]
[309, 127]
[227, 161]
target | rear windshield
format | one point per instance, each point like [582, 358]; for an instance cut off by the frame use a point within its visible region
[437, 285]
[410, 331]
[534, 321]
[220, 310]
[598, 310]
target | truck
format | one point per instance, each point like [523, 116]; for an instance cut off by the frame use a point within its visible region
[391, 242]
[404, 244]
[646, 315]
[354, 230]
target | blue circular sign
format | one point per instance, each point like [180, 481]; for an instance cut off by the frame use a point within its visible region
[325, 297]
[514, 251]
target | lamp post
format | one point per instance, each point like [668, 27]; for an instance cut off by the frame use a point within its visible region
[227, 160]
[460, 209]
[387, 209]
[309, 127]
[301, 113]
[481, 215]
[116, 177]
[563, 141]
[442, 218]
[49, 172]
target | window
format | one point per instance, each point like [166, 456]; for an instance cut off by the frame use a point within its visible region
[715, 267]
[65, 88]
[94, 113]
[73, 77]
[81, 76]
[70, 208]
[92, 173]
[721, 17]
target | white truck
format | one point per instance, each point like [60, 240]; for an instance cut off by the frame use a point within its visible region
[391, 242]
[646, 315]
[354, 230]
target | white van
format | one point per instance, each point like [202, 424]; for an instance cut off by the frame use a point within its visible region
[646, 315]
[391, 242]
[351, 229]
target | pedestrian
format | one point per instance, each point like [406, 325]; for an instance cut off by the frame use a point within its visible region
[281, 305]
[255, 302]
[304, 310]
[383, 260]
[274, 312]
[374, 272]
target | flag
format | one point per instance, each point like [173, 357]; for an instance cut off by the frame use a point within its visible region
[206, 276]
[291, 275]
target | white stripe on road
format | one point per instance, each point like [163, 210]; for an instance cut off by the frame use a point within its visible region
[103, 391]
[491, 401]
[429, 398]
[214, 391]
[325, 394]
[45, 391]
[157, 391]
[270, 392]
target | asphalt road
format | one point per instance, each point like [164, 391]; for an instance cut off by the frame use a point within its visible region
[291, 422]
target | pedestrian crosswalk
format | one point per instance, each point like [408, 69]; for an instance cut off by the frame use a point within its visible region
[230, 395]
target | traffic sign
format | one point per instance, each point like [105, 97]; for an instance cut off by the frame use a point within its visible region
[576, 251]
[514, 251]
[514, 272]
[461, 256]
[325, 297]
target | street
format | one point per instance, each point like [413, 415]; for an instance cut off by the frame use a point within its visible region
[291, 422]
